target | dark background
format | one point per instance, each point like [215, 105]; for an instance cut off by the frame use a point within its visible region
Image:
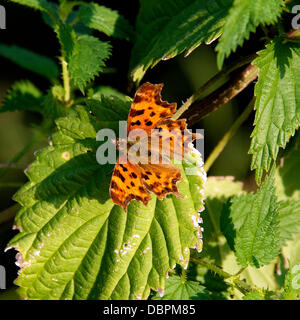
[181, 76]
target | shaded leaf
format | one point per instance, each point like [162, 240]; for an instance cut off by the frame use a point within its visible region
[97, 92]
[167, 28]
[178, 289]
[42, 5]
[32, 61]
[105, 20]
[52, 102]
[23, 95]
[243, 18]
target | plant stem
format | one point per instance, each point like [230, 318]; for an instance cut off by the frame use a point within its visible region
[228, 135]
[20, 154]
[294, 34]
[212, 82]
[221, 96]
[9, 213]
[232, 279]
[16, 166]
[11, 184]
[66, 80]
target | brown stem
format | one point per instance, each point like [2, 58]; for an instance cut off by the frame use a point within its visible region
[293, 34]
[222, 76]
[223, 95]
[17, 166]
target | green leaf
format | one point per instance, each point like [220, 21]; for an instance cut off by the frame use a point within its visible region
[32, 61]
[67, 38]
[105, 20]
[52, 103]
[178, 289]
[253, 295]
[243, 18]
[87, 59]
[277, 102]
[65, 8]
[75, 243]
[42, 5]
[289, 219]
[292, 284]
[96, 93]
[205, 294]
[255, 220]
[167, 28]
[23, 95]
[84, 54]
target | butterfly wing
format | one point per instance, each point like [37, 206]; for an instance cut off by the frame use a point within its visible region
[148, 109]
[126, 185]
[161, 179]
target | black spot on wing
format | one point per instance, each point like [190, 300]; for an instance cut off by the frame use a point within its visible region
[134, 113]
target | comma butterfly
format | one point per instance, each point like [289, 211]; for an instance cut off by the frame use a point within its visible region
[135, 181]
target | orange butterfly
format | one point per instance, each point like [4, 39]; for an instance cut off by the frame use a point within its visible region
[135, 181]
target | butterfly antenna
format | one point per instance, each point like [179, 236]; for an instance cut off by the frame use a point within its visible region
[92, 113]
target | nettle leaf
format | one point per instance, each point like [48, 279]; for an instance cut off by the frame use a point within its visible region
[105, 20]
[65, 8]
[23, 95]
[67, 38]
[243, 18]
[85, 55]
[255, 220]
[277, 102]
[75, 243]
[87, 59]
[42, 5]
[32, 61]
[179, 289]
[289, 219]
[52, 103]
[98, 92]
[292, 284]
[168, 28]
[253, 295]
